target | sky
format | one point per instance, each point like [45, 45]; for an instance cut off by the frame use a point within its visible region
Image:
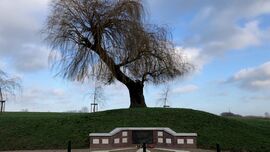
[227, 41]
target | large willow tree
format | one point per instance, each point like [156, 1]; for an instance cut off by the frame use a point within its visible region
[109, 40]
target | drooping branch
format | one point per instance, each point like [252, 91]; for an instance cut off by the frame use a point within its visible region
[108, 39]
[115, 69]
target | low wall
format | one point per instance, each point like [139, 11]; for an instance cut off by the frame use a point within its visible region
[161, 138]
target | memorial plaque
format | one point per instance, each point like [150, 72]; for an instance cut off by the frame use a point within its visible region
[142, 136]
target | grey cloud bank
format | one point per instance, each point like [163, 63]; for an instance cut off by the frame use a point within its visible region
[20, 40]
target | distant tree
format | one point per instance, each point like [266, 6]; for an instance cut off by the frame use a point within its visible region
[24, 110]
[109, 39]
[84, 110]
[230, 114]
[71, 111]
[8, 86]
[267, 115]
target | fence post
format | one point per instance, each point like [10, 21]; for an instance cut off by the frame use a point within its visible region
[144, 147]
[69, 146]
[218, 148]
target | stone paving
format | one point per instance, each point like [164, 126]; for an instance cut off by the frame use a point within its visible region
[119, 150]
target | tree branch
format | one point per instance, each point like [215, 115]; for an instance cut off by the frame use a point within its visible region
[115, 69]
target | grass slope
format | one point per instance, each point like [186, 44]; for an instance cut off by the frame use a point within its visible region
[53, 130]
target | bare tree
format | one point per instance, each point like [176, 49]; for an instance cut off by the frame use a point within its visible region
[267, 115]
[164, 96]
[109, 39]
[8, 86]
[98, 96]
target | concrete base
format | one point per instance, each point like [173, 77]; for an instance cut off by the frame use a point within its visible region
[141, 150]
[171, 150]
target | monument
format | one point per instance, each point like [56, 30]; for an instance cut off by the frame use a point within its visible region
[132, 137]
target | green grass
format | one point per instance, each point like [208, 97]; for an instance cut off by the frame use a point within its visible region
[54, 130]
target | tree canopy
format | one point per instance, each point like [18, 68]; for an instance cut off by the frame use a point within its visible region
[110, 40]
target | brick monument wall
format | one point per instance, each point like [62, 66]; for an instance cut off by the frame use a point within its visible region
[162, 138]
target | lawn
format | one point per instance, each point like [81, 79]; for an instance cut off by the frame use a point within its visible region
[29, 130]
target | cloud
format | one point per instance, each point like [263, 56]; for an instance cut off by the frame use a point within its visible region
[32, 58]
[256, 98]
[185, 89]
[214, 27]
[217, 30]
[58, 92]
[36, 94]
[222, 12]
[20, 40]
[253, 79]
[42, 99]
[217, 41]
[193, 56]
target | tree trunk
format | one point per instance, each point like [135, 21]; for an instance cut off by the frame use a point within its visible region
[136, 95]
[135, 87]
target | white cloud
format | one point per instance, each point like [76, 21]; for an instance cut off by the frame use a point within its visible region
[41, 99]
[231, 37]
[193, 56]
[185, 89]
[255, 78]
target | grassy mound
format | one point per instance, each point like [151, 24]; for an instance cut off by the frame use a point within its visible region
[54, 130]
